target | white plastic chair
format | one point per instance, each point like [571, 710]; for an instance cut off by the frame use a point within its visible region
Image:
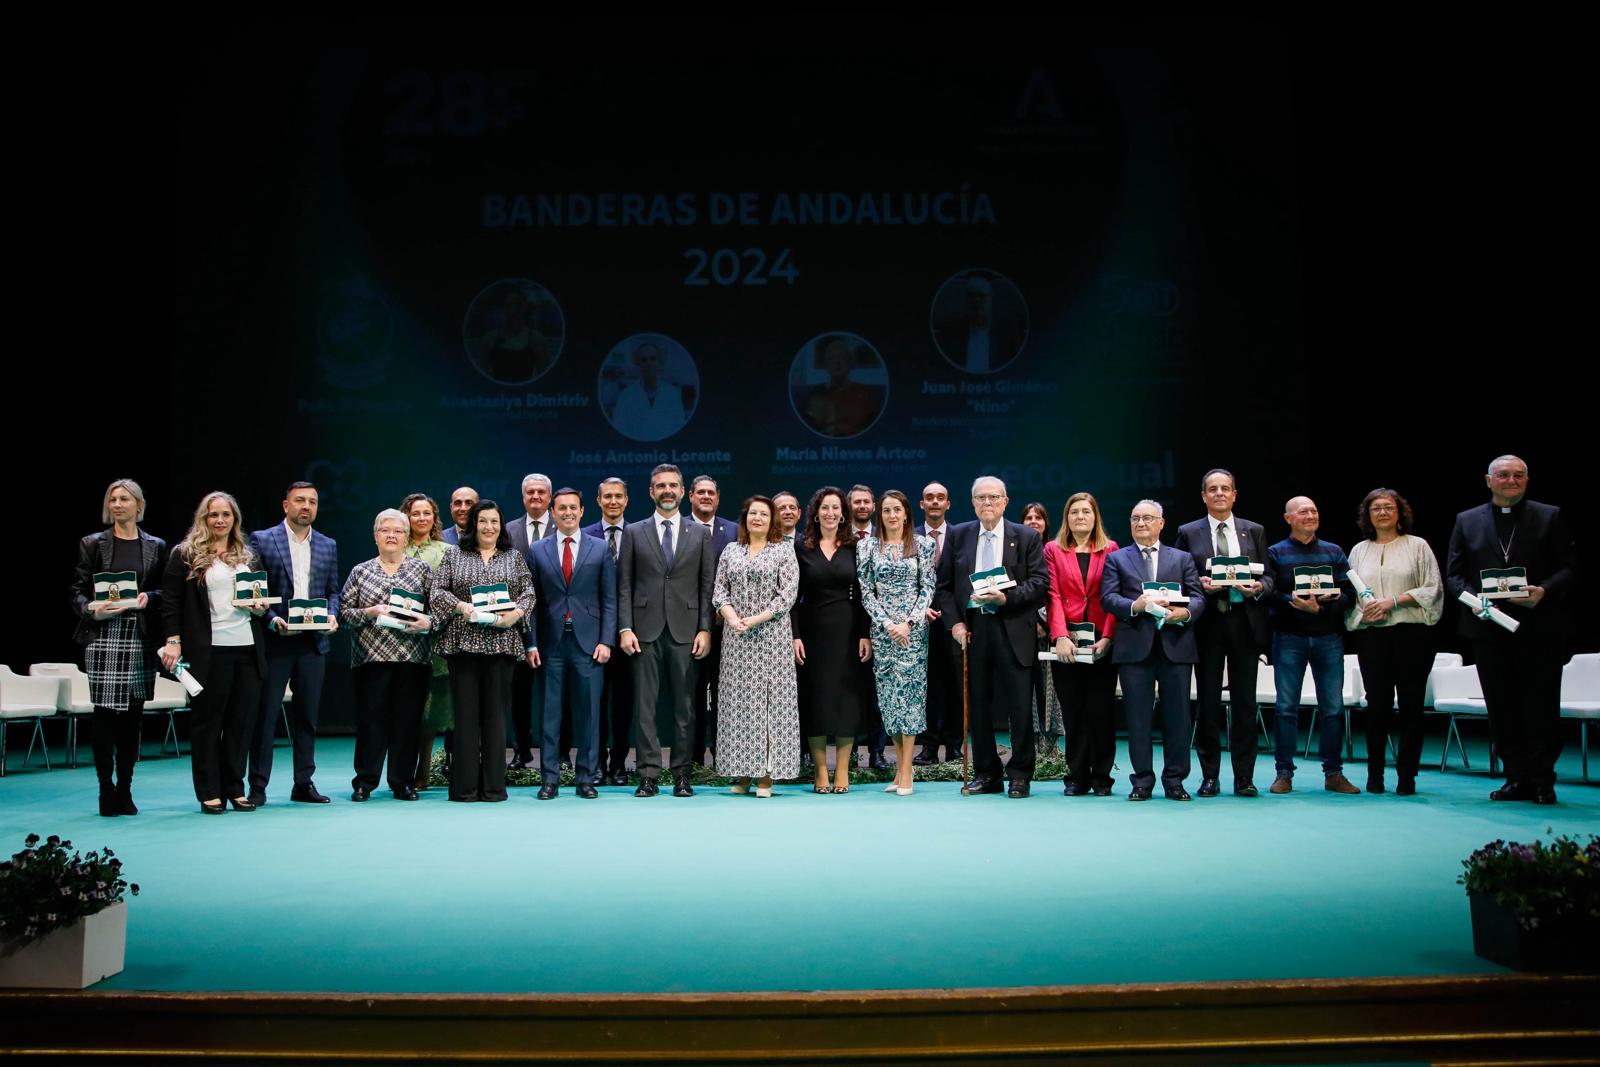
[1458, 693]
[74, 700]
[1580, 697]
[170, 697]
[23, 698]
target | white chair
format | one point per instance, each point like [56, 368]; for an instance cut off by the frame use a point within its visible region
[1457, 693]
[73, 702]
[170, 697]
[23, 698]
[1580, 697]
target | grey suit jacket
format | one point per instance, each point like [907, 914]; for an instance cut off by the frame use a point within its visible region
[652, 598]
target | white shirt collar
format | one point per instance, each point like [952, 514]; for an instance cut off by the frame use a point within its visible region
[295, 538]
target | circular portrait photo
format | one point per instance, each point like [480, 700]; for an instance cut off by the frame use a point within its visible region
[648, 387]
[838, 384]
[979, 321]
[514, 331]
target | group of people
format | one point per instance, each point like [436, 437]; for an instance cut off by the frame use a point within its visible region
[769, 636]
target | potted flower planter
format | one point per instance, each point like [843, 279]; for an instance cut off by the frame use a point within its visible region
[1536, 907]
[73, 957]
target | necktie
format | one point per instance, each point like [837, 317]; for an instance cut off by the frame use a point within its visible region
[938, 543]
[987, 563]
[666, 541]
[611, 540]
[566, 566]
[1150, 561]
[1234, 596]
[533, 531]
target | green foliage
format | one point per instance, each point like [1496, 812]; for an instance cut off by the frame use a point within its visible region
[45, 888]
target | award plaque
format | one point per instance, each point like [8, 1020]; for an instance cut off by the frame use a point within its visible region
[1315, 581]
[1083, 638]
[405, 608]
[250, 589]
[1232, 571]
[493, 597]
[308, 615]
[116, 587]
[1504, 583]
[1160, 596]
[990, 581]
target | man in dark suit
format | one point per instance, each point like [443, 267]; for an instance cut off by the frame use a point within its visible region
[301, 564]
[616, 696]
[665, 572]
[575, 584]
[461, 502]
[1146, 656]
[527, 683]
[704, 499]
[1520, 672]
[997, 629]
[1233, 630]
[944, 663]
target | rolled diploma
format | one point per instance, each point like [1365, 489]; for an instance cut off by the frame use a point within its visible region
[1496, 616]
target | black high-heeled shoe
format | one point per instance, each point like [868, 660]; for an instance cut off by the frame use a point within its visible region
[241, 804]
[213, 809]
[108, 806]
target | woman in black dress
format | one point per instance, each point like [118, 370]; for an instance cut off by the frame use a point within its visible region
[118, 633]
[830, 638]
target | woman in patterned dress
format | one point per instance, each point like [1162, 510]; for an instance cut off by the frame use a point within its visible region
[428, 545]
[758, 720]
[481, 654]
[118, 636]
[895, 567]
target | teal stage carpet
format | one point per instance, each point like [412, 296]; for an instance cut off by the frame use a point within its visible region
[798, 892]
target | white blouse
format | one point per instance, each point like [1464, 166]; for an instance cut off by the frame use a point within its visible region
[230, 626]
[1405, 565]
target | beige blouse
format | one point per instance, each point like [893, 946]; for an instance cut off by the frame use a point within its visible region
[1405, 565]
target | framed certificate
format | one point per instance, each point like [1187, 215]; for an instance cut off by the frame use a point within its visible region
[308, 615]
[250, 588]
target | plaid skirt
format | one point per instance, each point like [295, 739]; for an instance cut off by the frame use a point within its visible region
[119, 666]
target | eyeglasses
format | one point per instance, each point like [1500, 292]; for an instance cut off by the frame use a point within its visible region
[987, 498]
[1379, 509]
[1144, 520]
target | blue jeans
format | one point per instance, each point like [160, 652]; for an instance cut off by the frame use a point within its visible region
[1291, 654]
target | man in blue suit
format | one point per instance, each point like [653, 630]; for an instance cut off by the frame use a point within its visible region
[461, 502]
[704, 499]
[1146, 655]
[616, 700]
[575, 584]
[301, 564]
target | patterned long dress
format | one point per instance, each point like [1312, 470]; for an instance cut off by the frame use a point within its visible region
[758, 718]
[894, 590]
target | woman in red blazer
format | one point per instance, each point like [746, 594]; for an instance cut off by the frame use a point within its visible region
[1076, 559]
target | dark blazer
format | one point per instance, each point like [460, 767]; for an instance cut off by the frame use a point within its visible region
[650, 598]
[518, 530]
[591, 597]
[1250, 540]
[186, 615]
[272, 546]
[725, 533]
[1022, 555]
[1123, 583]
[1543, 544]
[449, 536]
[94, 556]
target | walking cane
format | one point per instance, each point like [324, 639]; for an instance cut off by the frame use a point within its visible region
[966, 738]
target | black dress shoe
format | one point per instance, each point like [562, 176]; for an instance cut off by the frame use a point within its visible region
[681, 787]
[213, 809]
[258, 799]
[1248, 789]
[125, 804]
[952, 755]
[1071, 789]
[984, 785]
[1544, 794]
[359, 794]
[108, 805]
[875, 761]
[307, 794]
[1209, 788]
[548, 791]
[647, 788]
[924, 758]
[406, 792]
[1177, 793]
[1406, 787]
[587, 791]
[1102, 790]
[519, 762]
[1139, 794]
[241, 805]
[1019, 787]
[1512, 791]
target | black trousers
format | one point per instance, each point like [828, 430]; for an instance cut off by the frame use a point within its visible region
[1139, 682]
[295, 660]
[707, 673]
[1522, 689]
[616, 712]
[115, 737]
[1395, 662]
[1087, 692]
[663, 662]
[480, 687]
[389, 699]
[999, 686]
[944, 694]
[1225, 638]
[527, 708]
[221, 723]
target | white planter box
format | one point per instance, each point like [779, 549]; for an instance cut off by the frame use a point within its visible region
[75, 957]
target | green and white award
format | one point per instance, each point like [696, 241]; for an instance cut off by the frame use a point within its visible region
[308, 615]
[250, 589]
[119, 588]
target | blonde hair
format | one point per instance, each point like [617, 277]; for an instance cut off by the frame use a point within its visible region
[1067, 540]
[133, 490]
[197, 543]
